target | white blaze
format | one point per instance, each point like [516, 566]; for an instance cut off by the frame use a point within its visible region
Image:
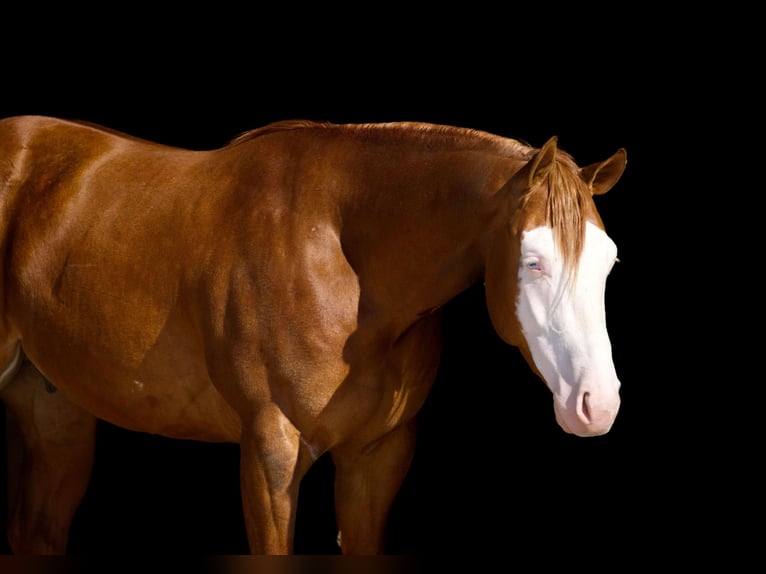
[564, 324]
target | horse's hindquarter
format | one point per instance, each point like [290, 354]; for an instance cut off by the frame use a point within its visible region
[98, 240]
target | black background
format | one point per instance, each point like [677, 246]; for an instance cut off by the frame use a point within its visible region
[492, 472]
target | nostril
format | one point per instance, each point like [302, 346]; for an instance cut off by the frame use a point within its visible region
[587, 413]
[586, 407]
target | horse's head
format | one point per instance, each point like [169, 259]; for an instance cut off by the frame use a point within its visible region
[545, 278]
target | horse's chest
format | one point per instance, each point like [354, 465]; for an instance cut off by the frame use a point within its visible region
[377, 384]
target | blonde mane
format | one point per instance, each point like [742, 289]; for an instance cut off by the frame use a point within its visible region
[434, 135]
[567, 194]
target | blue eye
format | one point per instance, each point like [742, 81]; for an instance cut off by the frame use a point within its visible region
[533, 265]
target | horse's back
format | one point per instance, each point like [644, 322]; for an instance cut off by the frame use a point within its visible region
[25, 130]
[75, 196]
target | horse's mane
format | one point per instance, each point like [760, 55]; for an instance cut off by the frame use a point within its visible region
[273, 127]
[435, 135]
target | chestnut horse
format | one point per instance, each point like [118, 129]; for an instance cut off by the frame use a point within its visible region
[283, 293]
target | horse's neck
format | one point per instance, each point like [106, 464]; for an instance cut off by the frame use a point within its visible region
[419, 249]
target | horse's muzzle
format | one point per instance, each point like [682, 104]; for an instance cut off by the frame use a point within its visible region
[587, 414]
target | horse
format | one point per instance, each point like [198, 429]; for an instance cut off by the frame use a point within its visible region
[283, 292]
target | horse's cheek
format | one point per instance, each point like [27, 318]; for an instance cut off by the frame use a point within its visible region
[502, 292]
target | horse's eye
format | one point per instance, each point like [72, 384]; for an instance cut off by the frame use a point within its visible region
[533, 265]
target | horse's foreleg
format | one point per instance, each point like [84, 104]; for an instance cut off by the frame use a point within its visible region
[366, 483]
[51, 443]
[272, 463]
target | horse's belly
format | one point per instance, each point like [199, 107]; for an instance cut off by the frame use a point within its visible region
[164, 390]
[176, 405]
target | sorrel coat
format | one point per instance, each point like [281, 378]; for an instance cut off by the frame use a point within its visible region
[283, 293]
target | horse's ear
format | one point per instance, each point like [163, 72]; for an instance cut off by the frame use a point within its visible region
[542, 162]
[602, 176]
[531, 172]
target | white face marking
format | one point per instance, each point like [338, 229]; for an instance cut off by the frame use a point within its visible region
[564, 324]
